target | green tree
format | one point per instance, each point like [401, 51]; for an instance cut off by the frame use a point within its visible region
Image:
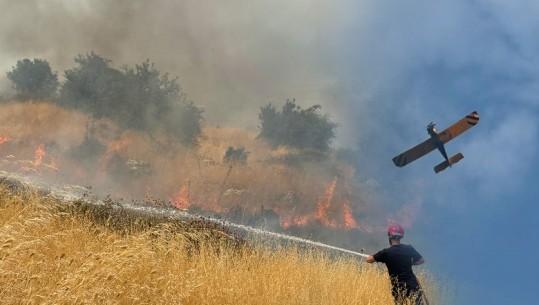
[296, 127]
[186, 123]
[157, 102]
[34, 79]
[141, 98]
[150, 95]
[93, 86]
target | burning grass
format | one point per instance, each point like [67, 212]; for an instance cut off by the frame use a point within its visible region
[76, 253]
[53, 252]
[62, 146]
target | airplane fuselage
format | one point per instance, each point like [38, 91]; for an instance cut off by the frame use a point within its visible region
[439, 144]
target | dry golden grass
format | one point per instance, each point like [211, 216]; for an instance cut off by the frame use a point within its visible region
[50, 254]
[76, 256]
[38, 123]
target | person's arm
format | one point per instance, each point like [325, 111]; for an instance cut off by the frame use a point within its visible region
[377, 258]
[417, 259]
[419, 262]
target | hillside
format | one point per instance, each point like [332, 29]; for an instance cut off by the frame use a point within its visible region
[72, 252]
[63, 252]
[300, 193]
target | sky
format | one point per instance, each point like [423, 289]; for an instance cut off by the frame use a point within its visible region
[383, 70]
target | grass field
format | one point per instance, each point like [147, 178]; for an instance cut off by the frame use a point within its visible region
[60, 253]
[66, 253]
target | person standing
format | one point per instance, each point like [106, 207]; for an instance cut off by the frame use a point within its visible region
[399, 259]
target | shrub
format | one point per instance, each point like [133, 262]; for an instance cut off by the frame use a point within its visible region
[235, 156]
[93, 87]
[185, 122]
[33, 79]
[140, 98]
[296, 127]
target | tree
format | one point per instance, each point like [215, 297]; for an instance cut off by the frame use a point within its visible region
[157, 102]
[150, 95]
[296, 127]
[34, 79]
[186, 123]
[236, 156]
[93, 87]
[141, 98]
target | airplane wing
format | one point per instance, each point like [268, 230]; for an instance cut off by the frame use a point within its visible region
[459, 127]
[415, 152]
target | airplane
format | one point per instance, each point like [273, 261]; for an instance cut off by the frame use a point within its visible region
[437, 140]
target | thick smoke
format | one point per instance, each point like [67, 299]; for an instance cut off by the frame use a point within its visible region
[382, 70]
[411, 62]
[231, 57]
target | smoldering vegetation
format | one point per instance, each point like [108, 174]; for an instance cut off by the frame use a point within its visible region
[263, 189]
[231, 60]
[129, 133]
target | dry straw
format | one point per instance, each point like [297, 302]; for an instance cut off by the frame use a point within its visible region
[58, 253]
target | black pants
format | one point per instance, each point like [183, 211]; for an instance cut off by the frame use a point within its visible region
[403, 292]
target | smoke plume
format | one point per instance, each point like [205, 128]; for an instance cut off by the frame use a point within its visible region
[231, 57]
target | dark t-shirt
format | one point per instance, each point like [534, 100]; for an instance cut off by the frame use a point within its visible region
[399, 259]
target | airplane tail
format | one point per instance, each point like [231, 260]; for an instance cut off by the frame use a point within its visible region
[440, 167]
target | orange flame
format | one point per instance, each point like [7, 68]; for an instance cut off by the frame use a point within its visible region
[298, 222]
[39, 154]
[114, 147]
[323, 204]
[180, 199]
[4, 138]
[349, 220]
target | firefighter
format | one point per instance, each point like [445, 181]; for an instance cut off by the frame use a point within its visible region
[399, 259]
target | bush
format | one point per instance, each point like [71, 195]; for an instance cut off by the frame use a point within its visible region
[140, 98]
[34, 79]
[149, 97]
[236, 156]
[296, 127]
[185, 122]
[93, 87]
